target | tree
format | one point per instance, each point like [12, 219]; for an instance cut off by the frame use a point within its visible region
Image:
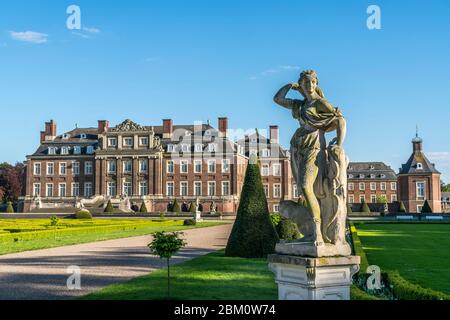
[165, 246]
[381, 199]
[364, 207]
[253, 234]
[12, 179]
[54, 223]
[176, 207]
[143, 208]
[445, 187]
[109, 207]
[402, 207]
[426, 208]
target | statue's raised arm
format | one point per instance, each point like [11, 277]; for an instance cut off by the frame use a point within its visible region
[280, 97]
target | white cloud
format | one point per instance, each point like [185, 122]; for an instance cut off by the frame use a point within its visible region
[29, 36]
[82, 35]
[441, 157]
[275, 70]
[91, 30]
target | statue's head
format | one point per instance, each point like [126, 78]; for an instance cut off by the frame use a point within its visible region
[309, 83]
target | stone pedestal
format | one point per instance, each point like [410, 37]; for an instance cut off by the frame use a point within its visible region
[303, 278]
[198, 216]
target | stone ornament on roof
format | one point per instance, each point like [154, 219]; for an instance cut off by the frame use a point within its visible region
[128, 126]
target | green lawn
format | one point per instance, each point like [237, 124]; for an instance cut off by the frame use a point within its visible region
[211, 277]
[420, 252]
[32, 234]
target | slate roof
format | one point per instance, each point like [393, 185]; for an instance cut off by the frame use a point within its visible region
[411, 167]
[370, 170]
[262, 142]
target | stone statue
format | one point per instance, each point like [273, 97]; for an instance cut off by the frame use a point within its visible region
[320, 171]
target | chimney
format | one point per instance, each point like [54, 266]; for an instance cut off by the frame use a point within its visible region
[50, 131]
[167, 128]
[274, 137]
[42, 136]
[103, 126]
[223, 127]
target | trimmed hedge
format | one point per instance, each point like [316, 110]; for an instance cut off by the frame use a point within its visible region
[143, 208]
[402, 207]
[9, 207]
[109, 207]
[193, 208]
[426, 207]
[83, 215]
[358, 294]
[189, 222]
[176, 207]
[405, 290]
[357, 246]
[364, 207]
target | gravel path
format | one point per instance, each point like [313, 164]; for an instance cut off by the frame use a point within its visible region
[43, 274]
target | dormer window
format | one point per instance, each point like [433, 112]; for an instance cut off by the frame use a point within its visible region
[383, 176]
[83, 136]
[198, 147]
[254, 140]
[90, 150]
[372, 167]
[266, 153]
[65, 150]
[350, 176]
[128, 142]
[419, 166]
[187, 133]
[372, 176]
[112, 142]
[185, 148]
[77, 150]
[361, 176]
[66, 136]
[207, 132]
[212, 147]
[143, 141]
[52, 150]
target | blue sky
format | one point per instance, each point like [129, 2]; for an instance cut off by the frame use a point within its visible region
[196, 60]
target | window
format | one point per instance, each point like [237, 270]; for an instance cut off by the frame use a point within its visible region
[143, 166]
[372, 176]
[265, 153]
[50, 168]
[37, 169]
[198, 147]
[90, 150]
[373, 198]
[127, 166]
[88, 168]
[225, 188]
[351, 198]
[62, 168]
[49, 191]
[362, 186]
[112, 189]
[83, 136]
[88, 191]
[351, 186]
[185, 148]
[170, 166]
[295, 190]
[276, 208]
[75, 168]
[52, 150]
[128, 188]
[170, 148]
[277, 170]
[420, 188]
[266, 190]
[77, 150]
[65, 150]
[112, 142]
[184, 189]
[75, 189]
[112, 166]
[361, 176]
[383, 186]
[393, 185]
[211, 166]
[184, 166]
[362, 198]
[143, 188]
[197, 166]
[36, 189]
[265, 170]
[225, 166]
[211, 188]
[393, 198]
[197, 188]
[350, 176]
[277, 190]
[62, 190]
[383, 176]
[128, 142]
[212, 147]
[170, 189]
[373, 186]
[66, 136]
[419, 166]
[143, 141]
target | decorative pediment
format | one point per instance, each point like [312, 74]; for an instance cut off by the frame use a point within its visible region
[128, 126]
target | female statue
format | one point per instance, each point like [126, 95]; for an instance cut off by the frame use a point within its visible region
[319, 171]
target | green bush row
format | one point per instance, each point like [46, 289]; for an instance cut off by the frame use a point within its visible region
[357, 245]
[405, 290]
[358, 294]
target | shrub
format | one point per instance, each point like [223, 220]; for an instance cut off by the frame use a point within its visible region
[402, 207]
[176, 207]
[190, 222]
[364, 207]
[358, 294]
[253, 234]
[9, 207]
[162, 215]
[109, 207]
[143, 208]
[276, 218]
[288, 230]
[193, 207]
[357, 246]
[84, 215]
[405, 290]
[349, 208]
[426, 207]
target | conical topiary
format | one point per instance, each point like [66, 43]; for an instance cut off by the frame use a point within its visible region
[349, 208]
[402, 207]
[364, 207]
[192, 208]
[109, 207]
[176, 207]
[143, 208]
[426, 208]
[253, 234]
[9, 207]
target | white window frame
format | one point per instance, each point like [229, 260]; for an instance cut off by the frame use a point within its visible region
[185, 148]
[128, 139]
[277, 187]
[210, 162]
[265, 153]
[50, 165]
[351, 198]
[111, 186]
[226, 166]
[184, 185]
[276, 208]
[63, 168]
[266, 187]
[47, 194]
[52, 150]
[394, 186]
[75, 186]
[37, 168]
[87, 165]
[224, 183]
[265, 170]
[171, 185]
[143, 165]
[383, 186]
[170, 165]
[90, 150]
[394, 198]
[210, 183]
[61, 187]
[419, 197]
[77, 150]
[127, 188]
[295, 191]
[112, 142]
[198, 147]
[143, 141]
[109, 166]
[274, 171]
[373, 198]
[212, 147]
[143, 186]
[90, 188]
[196, 162]
[196, 185]
[36, 189]
[184, 166]
[373, 186]
[65, 150]
[127, 163]
[351, 186]
[75, 164]
[362, 196]
[362, 186]
[170, 148]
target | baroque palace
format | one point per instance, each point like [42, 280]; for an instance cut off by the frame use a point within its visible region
[129, 164]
